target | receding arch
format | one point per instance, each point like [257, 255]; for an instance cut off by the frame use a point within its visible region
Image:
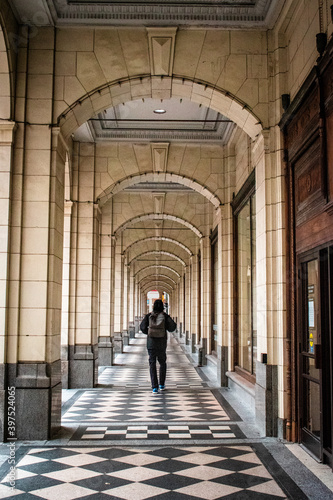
[153, 216]
[159, 177]
[6, 83]
[161, 266]
[147, 86]
[160, 289]
[159, 238]
[155, 283]
[151, 276]
[159, 252]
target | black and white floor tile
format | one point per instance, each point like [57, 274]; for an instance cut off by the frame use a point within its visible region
[141, 405]
[164, 473]
[157, 432]
[121, 442]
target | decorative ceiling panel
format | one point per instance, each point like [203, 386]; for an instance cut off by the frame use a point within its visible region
[219, 13]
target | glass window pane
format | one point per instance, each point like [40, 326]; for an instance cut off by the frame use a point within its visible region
[312, 410]
[244, 289]
[312, 305]
[254, 283]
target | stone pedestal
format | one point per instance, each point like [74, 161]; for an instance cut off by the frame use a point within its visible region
[64, 366]
[266, 399]
[125, 338]
[105, 351]
[131, 330]
[83, 366]
[180, 329]
[204, 351]
[193, 342]
[37, 399]
[222, 365]
[117, 343]
[136, 324]
[187, 337]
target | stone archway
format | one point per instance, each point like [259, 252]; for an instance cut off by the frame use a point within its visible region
[143, 87]
[159, 177]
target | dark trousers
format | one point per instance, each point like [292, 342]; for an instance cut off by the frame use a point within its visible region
[160, 355]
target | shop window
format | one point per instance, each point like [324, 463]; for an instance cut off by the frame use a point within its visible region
[245, 279]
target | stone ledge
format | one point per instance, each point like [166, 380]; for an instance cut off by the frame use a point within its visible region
[212, 359]
[242, 386]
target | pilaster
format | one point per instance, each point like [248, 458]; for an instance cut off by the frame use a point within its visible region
[7, 130]
[270, 263]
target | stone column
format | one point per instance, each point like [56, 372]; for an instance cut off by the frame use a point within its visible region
[194, 297]
[205, 248]
[105, 352]
[270, 263]
[131, 295]
[181, 305]
[6, 159]
[36, 247]
[187, 304]
[125, 294]
[83, 348]
[118, 289]
[65, 294]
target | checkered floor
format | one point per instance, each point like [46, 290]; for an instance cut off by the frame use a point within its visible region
[183, 444]
[103, 405]
[164, 473]
[120, 432]
[132, 371]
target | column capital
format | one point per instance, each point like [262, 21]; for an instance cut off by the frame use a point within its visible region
[7, 130]
[68, 205]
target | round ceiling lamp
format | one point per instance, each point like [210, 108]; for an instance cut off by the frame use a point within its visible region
[159, 111]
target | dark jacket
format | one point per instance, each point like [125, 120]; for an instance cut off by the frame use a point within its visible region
[170, 326]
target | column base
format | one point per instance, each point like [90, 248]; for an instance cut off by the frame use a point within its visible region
[193, 342]
[83, 366]
[266, 394]
[125, 338]
[117, 343]
[37, 399]
[204, 351]
[222, 365]
[105, 351]
[64, 366]
[131, 330]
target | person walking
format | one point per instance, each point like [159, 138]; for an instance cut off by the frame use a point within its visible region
[156, 325]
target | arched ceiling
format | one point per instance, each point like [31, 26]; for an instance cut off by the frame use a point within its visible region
[178, 119]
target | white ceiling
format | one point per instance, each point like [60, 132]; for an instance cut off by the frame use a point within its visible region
[136, 120]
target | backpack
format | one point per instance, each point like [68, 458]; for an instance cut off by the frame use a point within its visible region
[156, 329]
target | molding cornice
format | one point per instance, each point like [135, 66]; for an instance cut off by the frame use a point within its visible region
[248, 14]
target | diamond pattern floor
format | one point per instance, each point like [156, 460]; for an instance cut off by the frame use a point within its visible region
[119, 441]
[229, 472]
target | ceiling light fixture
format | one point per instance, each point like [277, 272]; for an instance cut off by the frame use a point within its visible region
[159, 111]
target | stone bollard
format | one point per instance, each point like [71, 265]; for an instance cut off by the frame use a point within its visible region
[187, 337]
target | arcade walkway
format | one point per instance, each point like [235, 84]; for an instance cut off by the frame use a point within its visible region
[119, 441]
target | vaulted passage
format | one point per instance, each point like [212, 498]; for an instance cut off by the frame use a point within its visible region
[180, 152]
